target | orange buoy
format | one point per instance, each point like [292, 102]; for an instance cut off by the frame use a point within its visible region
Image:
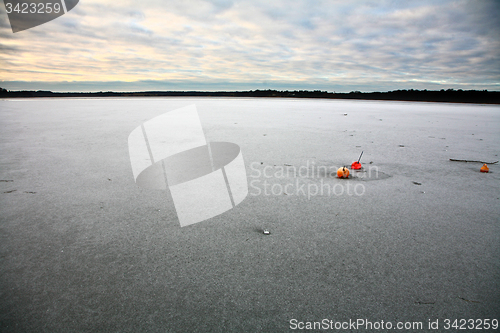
[356, 165]
[343, 172]
[484, 168]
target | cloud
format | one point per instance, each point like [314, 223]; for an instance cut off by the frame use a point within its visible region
[324, 43]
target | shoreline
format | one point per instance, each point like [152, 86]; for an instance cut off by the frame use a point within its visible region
[434, 96]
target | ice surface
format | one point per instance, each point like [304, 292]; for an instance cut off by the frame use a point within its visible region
[84, 248]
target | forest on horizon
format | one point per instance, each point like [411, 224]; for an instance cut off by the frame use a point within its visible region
[449, 95]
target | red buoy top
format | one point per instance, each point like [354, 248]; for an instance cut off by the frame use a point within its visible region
[356, 165]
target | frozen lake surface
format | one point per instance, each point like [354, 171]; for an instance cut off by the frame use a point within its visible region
[83, 248]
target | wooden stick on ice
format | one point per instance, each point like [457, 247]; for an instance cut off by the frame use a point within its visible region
[455, 160]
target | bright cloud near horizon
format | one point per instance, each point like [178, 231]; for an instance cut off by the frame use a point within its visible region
[215, 45]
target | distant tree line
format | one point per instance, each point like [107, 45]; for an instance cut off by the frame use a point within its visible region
[450, 95]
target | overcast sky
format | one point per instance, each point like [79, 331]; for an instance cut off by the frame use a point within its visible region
[253, 44]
